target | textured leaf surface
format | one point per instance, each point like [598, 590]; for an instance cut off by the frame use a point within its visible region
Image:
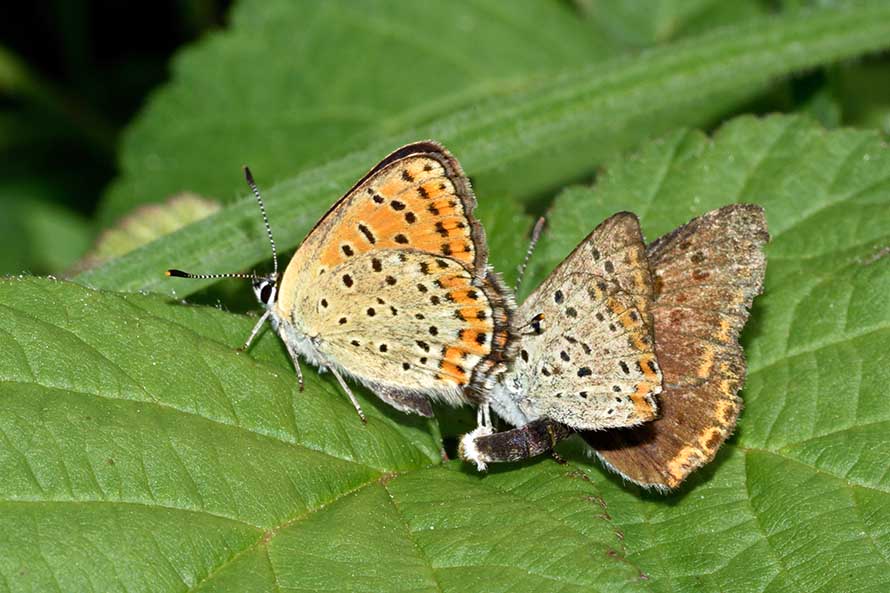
[659, 21]
[338, 75]
[140, 452]
[515, 140]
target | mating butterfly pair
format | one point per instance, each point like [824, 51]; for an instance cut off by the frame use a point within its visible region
[392, 287]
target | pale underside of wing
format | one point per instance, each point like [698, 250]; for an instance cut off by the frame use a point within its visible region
[407, 324]
[589, 360]
[707, 275]
[616, 251]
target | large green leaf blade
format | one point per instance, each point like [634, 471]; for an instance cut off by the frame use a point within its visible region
[543, 529]
[334, 76]
[105, 546]
[338, 76]
[140, 452]
[117, 417]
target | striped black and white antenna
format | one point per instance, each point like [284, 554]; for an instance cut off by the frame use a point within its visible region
[536, 234]
[256, 193]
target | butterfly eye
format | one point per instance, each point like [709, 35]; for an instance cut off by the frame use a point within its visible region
[266, 293]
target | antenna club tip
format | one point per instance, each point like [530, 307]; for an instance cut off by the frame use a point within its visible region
[247, 174]
[176, 274]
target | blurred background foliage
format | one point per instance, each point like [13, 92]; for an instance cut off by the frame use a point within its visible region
[74, 76]
[73, 73]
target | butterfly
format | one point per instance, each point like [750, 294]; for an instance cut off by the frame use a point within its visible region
[704, 277]
[586, 355]
[392, 287]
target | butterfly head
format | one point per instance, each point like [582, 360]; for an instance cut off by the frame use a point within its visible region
[266, 289]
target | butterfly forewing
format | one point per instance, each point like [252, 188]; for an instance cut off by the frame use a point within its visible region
[614, 250]
[417, 198]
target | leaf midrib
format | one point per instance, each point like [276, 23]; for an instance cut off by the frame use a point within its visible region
[410, 535]
[149, 505]
[269, 534]
[216, 422]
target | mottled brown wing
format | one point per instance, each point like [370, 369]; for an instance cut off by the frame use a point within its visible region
[707, 274]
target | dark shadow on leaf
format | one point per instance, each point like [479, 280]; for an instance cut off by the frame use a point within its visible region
[754, 328]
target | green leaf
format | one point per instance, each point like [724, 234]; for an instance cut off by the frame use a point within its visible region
[140, 452]
[516, 141]
[863, 89]
[146, 224]
[354, 73]
[136, 442]
[659, 21]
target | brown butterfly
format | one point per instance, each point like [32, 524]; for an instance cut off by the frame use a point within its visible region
[704, 277]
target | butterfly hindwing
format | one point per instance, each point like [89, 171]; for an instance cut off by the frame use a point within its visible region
[405, 401]
[586, 356]
[410, 321]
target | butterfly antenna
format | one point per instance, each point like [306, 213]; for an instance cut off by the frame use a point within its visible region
[536, 234]
[256, 192]
[181, 274]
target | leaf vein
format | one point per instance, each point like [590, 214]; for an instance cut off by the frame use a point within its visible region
[410, 534]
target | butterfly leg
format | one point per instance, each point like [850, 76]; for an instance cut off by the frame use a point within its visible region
[256, 329]
[483, 418]
[299, 372]
[349, 393]
[554, 439]
[295, 357]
